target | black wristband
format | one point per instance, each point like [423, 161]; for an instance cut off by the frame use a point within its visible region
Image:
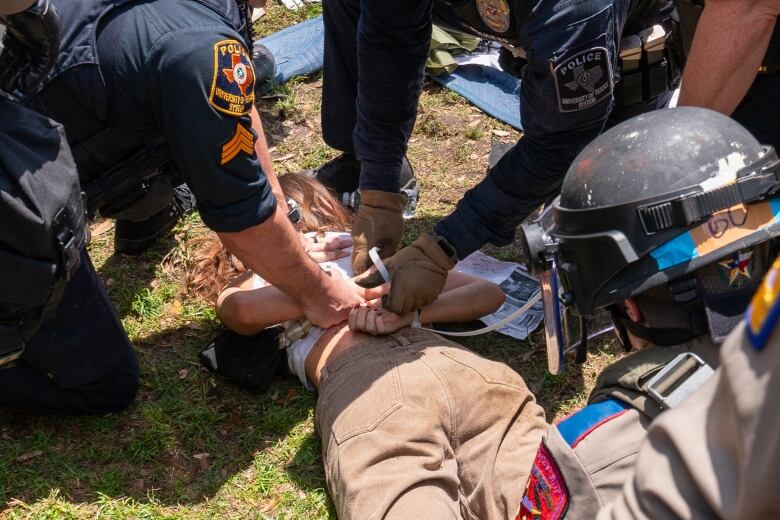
[445, 246]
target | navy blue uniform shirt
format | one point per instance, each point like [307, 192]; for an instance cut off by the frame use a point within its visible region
[175, 71]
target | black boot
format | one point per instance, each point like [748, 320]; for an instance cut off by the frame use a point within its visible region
[342, 175]
[135, 237]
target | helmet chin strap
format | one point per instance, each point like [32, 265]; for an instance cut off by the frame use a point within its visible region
[661, 336]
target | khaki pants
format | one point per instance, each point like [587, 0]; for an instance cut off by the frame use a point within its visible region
[417, 427]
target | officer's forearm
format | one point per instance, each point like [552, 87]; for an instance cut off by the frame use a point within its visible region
[261, 149]
[730, 42]
[527, 176]
[272, 249]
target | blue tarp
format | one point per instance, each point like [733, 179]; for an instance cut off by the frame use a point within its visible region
[491, 90]
[298, 51]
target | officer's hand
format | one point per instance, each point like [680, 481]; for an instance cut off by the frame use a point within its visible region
[326, 249]
[30, 47]
[379, 222]
[340, 296]
[417, 276]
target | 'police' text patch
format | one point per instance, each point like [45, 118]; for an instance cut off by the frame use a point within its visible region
[582, 80]
[233, 88]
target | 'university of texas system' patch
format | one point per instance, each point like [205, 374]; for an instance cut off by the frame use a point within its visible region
[582, 80]
[233, 88]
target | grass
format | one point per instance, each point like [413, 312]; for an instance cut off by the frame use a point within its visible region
[195, 446]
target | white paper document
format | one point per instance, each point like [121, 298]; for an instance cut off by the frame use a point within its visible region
[518, 286]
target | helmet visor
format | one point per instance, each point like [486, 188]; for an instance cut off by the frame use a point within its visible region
[562, 329]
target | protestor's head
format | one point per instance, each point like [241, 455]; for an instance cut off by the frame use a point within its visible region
[320, 212]
[666, 221]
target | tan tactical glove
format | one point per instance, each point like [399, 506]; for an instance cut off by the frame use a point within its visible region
[379, 222]
[417, 275]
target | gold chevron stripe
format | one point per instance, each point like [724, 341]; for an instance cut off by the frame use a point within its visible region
[242, 141]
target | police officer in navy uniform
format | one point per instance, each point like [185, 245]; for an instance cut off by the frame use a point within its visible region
[588, 66]
[155, 93]
[62, 346]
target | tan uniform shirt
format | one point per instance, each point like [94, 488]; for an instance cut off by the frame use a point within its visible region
[718, 454]
[586, 458]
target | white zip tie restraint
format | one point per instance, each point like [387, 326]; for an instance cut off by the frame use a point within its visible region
[373, 254]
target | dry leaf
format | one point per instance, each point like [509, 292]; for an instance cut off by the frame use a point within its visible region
[29, 456]
[474, 123]
[501, 133]
[203, 460]
[101, 228]
[183, 373]
[287, 398]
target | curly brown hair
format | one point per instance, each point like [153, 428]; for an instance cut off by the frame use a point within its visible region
[214, 266]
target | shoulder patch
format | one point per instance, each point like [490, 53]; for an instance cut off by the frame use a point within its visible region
[243, 140]
[233, 87]
[546, 495]
[581, 423]
[582, 79]
[764, 310]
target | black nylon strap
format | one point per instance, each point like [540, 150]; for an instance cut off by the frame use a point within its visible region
[762, 180]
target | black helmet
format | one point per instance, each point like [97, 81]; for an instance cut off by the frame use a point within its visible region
[651, 200]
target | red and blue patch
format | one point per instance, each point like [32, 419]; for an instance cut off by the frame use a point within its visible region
[546, 495]
[233, 87]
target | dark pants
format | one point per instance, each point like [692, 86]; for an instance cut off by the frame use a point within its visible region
[759, 111]
[80, 360]
[385, 44]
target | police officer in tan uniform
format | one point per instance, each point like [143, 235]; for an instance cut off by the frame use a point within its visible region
[716, 456]
[413, 423]
[664, 221]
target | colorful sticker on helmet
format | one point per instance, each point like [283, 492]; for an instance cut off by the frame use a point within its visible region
[546, 496]
[582, 80]
[723, 228]
[736, 268]
[495, 14]
[233, 87]
[764, 310]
